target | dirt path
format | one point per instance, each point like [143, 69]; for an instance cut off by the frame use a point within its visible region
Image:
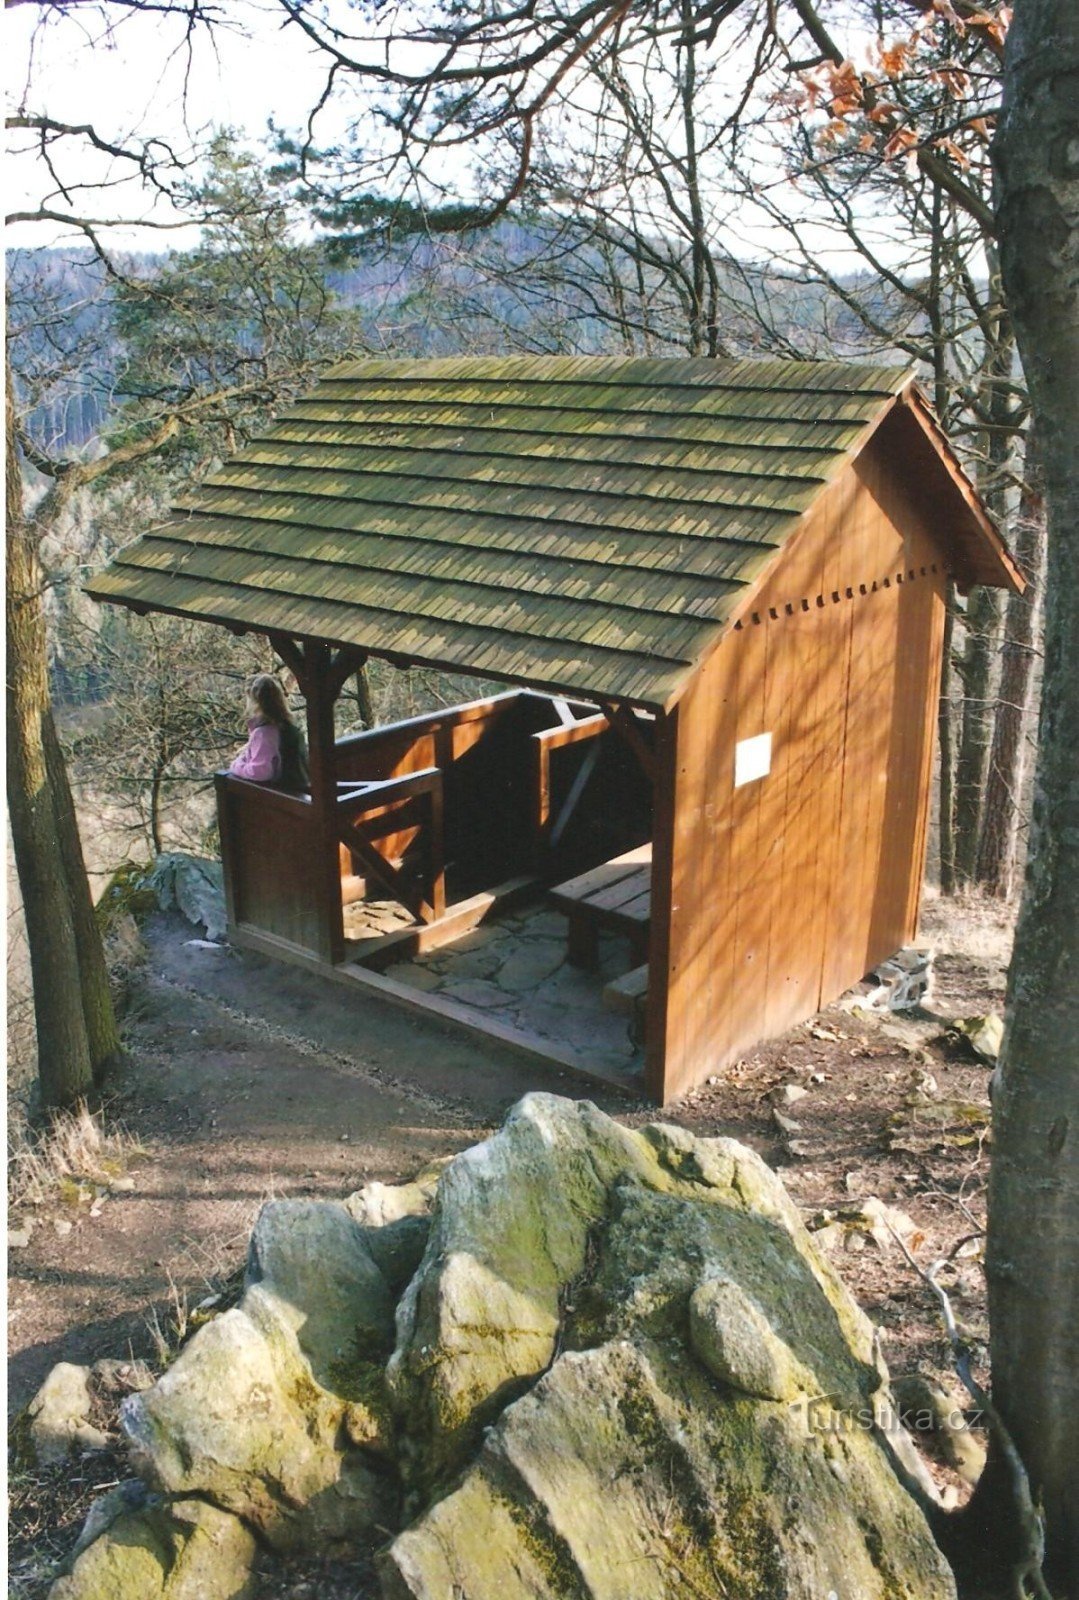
[245, 1080]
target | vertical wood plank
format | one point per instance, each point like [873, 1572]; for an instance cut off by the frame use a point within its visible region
[325, 867]
[661, 1061]
[783, 891]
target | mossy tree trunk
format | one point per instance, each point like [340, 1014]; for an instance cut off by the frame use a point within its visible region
[995, 865]
[946, 745]
[365, 700]
[57, 910]
[983, 616]
[1033, 1251]
[976, 726]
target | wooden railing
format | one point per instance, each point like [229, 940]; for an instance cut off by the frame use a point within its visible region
[550, 822]
[468, 789]
[368, 812]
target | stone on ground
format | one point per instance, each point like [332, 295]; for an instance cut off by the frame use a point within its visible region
[186, 1550]
[276, 1410]
[58, 1417]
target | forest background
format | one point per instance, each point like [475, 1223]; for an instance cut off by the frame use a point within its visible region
[712, 180]
[666, 209]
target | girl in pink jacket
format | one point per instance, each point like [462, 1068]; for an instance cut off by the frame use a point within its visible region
[275, 751]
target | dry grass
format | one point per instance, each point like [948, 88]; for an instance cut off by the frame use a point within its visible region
[169, 1329]
[75, 1151]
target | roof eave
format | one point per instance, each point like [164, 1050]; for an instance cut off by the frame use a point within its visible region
[995, 566]
[240, 625]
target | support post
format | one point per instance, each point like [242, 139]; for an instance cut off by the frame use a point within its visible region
[317, 683]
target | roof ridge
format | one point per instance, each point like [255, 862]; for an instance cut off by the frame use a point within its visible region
[662, 371]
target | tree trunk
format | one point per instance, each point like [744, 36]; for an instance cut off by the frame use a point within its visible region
[984, 605]
[365, 701]
[995, 865]
[976, 726]
[155, 807]
[1033, 1252]
[64, 1062]
[102, 1033]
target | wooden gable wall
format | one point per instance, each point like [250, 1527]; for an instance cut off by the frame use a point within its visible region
[772, 898]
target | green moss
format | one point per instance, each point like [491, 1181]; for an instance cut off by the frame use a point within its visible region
[304, 1392]
[544, 1545]
[127, 893]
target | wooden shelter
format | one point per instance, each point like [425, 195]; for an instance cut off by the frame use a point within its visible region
[720, 588]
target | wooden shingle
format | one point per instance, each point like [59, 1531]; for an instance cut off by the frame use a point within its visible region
[587, 524]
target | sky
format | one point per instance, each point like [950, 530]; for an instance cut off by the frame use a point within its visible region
[136, 78]
[130, 74]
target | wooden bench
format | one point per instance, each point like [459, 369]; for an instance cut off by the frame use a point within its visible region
[615, 895]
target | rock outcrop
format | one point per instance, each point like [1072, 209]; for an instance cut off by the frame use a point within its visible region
[609, 1363]
[253, 1413]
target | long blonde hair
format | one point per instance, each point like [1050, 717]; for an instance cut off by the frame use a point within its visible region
[266, 695]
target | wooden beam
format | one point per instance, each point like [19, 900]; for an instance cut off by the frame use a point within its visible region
[405, 944]
[357, 797]
[659, 1025]
[541, 800]
[573, 732]
[435, 851]
[577, 788]
[291, 653]
[381, 795]
[321, 757]
[391, 877]
[625, 722]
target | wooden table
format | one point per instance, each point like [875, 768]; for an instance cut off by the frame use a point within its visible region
[615, 895]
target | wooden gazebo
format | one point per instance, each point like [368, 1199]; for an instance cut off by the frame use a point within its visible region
[719, 590]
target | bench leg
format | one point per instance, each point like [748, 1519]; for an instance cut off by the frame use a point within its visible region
[583, 943]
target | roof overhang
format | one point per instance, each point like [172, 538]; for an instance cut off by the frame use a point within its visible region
[980, 554]
[420, 512]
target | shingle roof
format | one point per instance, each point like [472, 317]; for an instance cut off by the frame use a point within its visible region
[584, 523]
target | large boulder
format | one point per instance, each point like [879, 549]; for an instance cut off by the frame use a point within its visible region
[709, 1419]
[608, 1363]
[277, 1409]
[510, 1230]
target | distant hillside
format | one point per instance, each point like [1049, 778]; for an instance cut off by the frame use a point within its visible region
[518, 287]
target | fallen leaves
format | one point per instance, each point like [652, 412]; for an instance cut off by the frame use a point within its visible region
[922, 1126]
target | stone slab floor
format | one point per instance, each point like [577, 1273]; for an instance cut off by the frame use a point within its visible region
[515, 971]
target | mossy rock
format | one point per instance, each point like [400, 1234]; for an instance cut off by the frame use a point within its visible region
[619, 1367]
[622, 1474]
[127, 893]
[184, 1550]
[277, 1409]
[648, 1382]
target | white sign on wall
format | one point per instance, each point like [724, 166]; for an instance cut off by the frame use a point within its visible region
[752, 759]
